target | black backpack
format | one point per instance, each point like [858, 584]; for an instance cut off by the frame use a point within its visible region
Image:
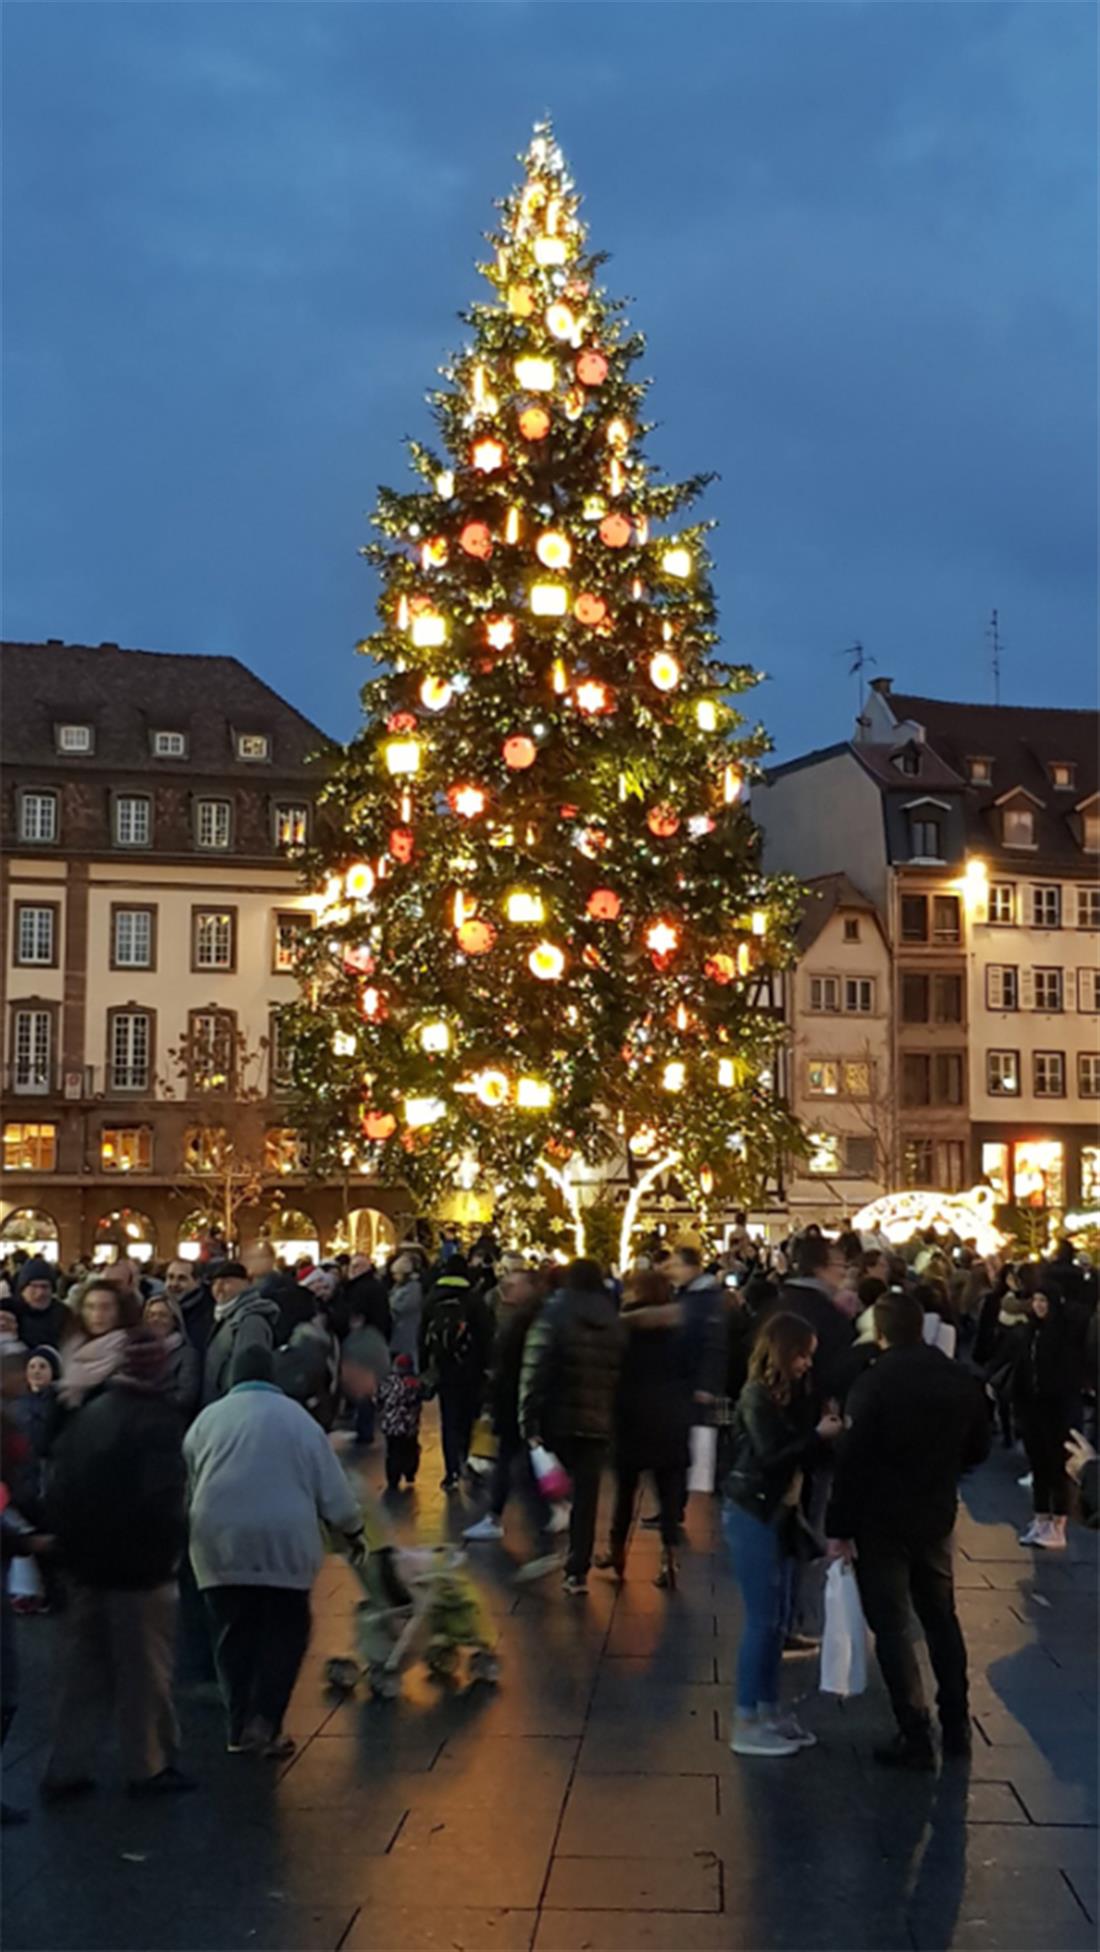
[450, 1338]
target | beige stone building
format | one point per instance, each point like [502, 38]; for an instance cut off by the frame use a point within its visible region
[152, 804]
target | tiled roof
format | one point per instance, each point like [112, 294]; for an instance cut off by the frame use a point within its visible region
[825, 895]
[881, 761]
[127, 695]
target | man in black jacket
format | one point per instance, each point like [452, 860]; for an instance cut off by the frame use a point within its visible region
[917, 1421]
[116, 1507]
[571, 1363]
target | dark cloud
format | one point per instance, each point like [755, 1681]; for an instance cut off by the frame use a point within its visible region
[860, 239]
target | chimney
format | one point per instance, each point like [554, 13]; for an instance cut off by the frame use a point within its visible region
[883, 686]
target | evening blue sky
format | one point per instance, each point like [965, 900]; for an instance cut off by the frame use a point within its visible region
[860, 239]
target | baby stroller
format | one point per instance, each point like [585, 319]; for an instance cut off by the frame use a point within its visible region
[416, 1600]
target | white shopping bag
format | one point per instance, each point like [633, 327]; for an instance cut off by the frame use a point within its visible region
[704, 1457]
[551, 1475]
[844, 1647]
[24, 1579]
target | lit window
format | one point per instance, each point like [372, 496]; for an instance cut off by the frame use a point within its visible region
[291, 826]
[1018, 826]
[213, 823]
[1003, 1074]
[1088, 908]
[205, 1148]
[285, 1151]
[859, 994]
[212, 1045]
[857, 1079]
[1048, 989]
[74, 738]
[1088, 1074]
[1002, 902]
[822, 1078]
[133, 938]
[169, 745]
[1050, 1074]
[1063, 775]
[290, 932]
[1038, 1177]
[126, 1149]
[133, 820]
[1046, 907]
[213, 939]
[995, 1166]
[824, 1153]
[38, 817]
[129, 1045]
[253, 745]
[32, 1050]
[1090, 830]
[824, 994]
[30, 1148]
[1090, 1174]
[35, 939]
[981, 771]
[1002, 988]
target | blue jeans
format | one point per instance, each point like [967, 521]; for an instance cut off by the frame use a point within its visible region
[763, 1574]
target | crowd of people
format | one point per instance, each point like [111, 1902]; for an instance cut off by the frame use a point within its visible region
[167, 1464]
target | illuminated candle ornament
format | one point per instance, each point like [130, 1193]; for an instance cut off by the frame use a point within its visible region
[549, 599]
[373, 1004]
[574, 403]
[477, 540]
[731, 785]
[617, 434]
[402, 756]
[559, 677]
[435, 1038]
[500, 633]
[402, 612]
[547, 962]
[615, 531]
[744, 959]
[664, 671]
[727, 1073]
[554, 549]
[677, 562]
[428, 630]
[468, 801]
[487, 456]
[436, 694]
[445, 484]
[533, 1094]
[511, 526]
[604, 905]
[535, 375]
[706, 1181]
[519, 752]
[534, 423]
[521, 906]
[673, 1076]
[759, 921]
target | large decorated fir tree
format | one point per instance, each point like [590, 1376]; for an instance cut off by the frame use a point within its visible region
[543, 919]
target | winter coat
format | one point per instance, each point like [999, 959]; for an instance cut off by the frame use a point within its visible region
[295, 1303]
[44, 1326]
[406, 1308]
[183, 1376]
[252, 1319]
[115, 1499]
[452, 1298]
[703, 1303]
[512, 1333]
[1047, 1376]
[197, 1306]
[570, 1373]
[35, 1416]
[653, 1407]
[917, 1421]
[364, 1301]
[262, 1477]
[400, 1399]
[835, 1333]
[771, 1444]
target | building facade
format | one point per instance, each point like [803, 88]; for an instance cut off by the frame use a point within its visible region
[152, 806]
[974, 831]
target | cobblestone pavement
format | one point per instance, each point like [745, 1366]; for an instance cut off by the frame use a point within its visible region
[592, 1801]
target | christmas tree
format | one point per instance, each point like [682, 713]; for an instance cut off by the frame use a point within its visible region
[543, 922]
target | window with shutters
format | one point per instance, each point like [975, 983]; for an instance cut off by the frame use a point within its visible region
[129, 1046]
[1048, 989]
[918, 1166]
[132, 932]
[213, 945]
[1088, 908]
[859, 1156]
[914, 997]
[824, 994]
[947, 1078]
[1002, 989]
[133, 820]
[213, 823]
[1088, 989]
[914, 918]
[1002, 1074]
[1046, 906]
[126, 1149]
[30, 1148]
[916, 1078]
[947, 999]
[38, 817]
[1088, 1074]
[822, 1077]
[1050, 1074]
[945, 918]
[859, 995]
[35, 934]
[212, 1042]
[1018, 826]
[1002, 903]
[31, 1049]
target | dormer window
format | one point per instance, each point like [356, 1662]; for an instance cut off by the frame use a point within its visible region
[980, 772]
[169, 745]
[1018, 826]
[925, 837]
[253, 745]
[1090, 828]
[1063, 775]
[907, 760]
[75, 738]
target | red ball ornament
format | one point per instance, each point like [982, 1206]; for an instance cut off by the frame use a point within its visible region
[663, 821]
[401, 722]
[402, 843]
[615, 531]
[589, 609]
[519, 752]
[591, 368]
[476, 539]
[358, 957]
[604, 905]
[379, 1125]
[534, 423]
[720, 968]
[476, 938]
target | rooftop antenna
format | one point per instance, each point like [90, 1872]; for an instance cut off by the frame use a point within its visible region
[860, 660]
[993, 633]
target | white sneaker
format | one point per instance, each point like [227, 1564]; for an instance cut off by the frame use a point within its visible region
[1033, 1533]
[1052, 1538]
[792, 1730]
[761, 1738]
[486, 1528]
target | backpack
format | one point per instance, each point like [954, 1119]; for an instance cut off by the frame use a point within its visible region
[450, 1338]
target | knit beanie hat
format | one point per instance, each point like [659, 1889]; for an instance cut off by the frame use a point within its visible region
[146, 1358]
[52, 1356]
[36, 1269]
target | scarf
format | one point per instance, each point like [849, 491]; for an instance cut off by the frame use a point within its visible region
[90, 1363]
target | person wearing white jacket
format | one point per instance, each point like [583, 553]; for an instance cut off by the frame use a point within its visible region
[261, 1479]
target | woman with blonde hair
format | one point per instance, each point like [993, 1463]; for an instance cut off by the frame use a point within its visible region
[774, 1438]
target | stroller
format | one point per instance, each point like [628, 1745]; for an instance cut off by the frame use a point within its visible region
[416, 1600]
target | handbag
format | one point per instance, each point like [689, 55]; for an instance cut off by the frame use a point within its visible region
[484, 1442]
[844, 1646]
[704, 1457]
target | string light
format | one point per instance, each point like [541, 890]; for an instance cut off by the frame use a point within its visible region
[535, 375]
[435, 1038]
[533, 1094]
[402, 756]
[677, 562]
[706, 715]
[423, 1111]
[673, 1076]
[524, 907]
[549, 599]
